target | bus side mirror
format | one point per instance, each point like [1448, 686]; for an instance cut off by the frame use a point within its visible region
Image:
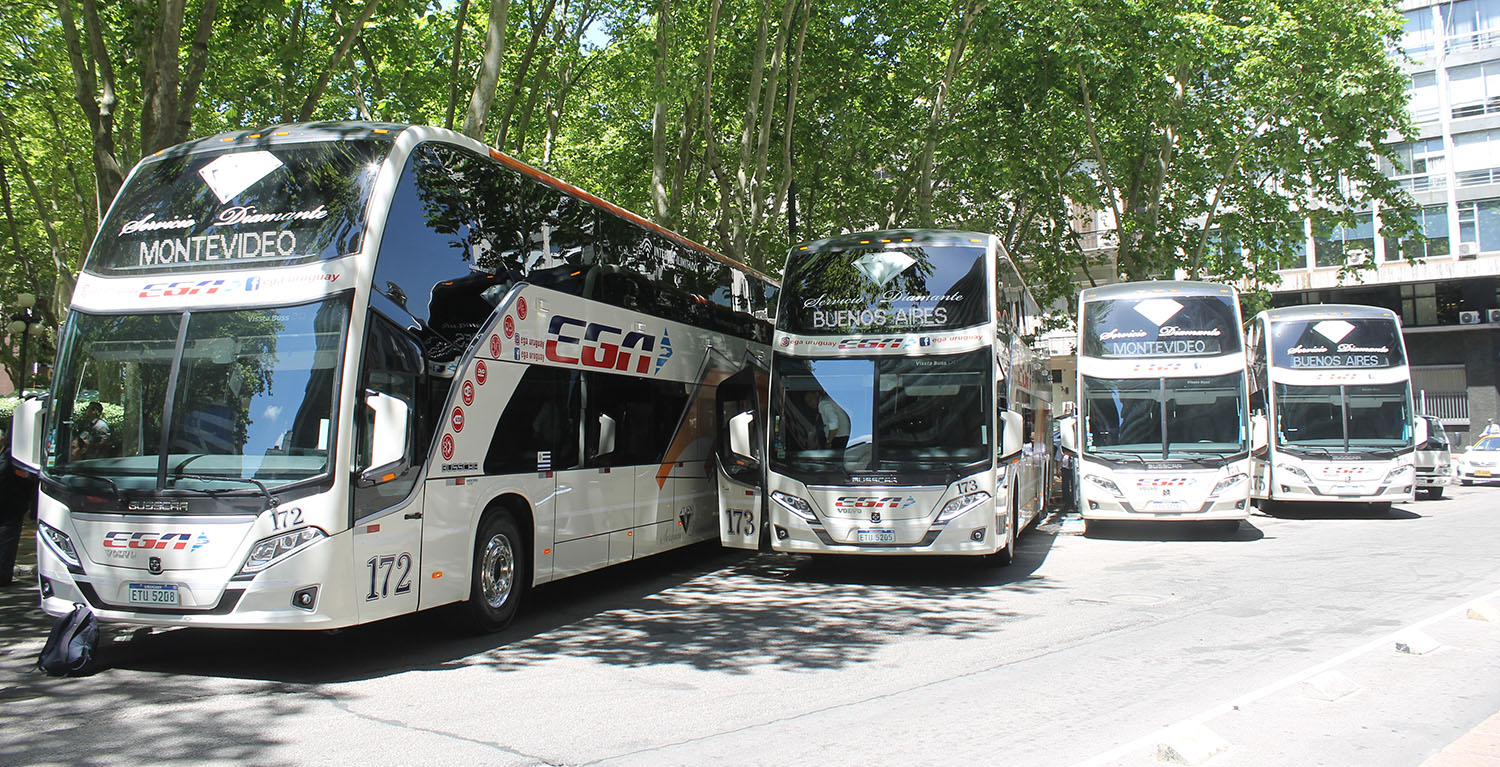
[26, 433]
[741, 442]
[1067, 429]
[387, 439]
[1258, 436]
[1424, 432]
[1012, 432]
[606, 435]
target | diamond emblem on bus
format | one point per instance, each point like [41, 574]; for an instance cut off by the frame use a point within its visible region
[231, 174]
[883, 267]
[1334, 330]
[1158, 310]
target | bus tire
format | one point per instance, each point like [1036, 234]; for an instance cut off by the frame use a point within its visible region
[500, 574]
[1005, 556]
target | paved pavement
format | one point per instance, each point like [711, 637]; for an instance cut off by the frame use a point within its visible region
[1479, 748]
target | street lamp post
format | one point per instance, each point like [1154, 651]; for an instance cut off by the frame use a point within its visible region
[25, 324]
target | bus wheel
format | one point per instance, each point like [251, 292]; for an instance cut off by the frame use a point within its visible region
[1006, 555]
[500, 574]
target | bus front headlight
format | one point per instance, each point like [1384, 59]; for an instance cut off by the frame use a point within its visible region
[795, 505]
[278, 547]
[1293, 470]
[960, 505]
[1107, 484]
[1227, 482]
[59, 542]
[1398, 474]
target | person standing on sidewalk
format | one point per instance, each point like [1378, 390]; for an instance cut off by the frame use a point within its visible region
[13, 507]
[1490, 428]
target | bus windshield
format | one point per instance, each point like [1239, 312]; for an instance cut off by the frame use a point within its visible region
[251, 207]
[207, 400]
[1337, 343]
[1363, 418]
[915, 287]
[1164, 418]
[832, 417]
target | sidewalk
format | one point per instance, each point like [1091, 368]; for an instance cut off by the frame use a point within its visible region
[1479, 748]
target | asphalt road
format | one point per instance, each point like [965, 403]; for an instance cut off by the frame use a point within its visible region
[1276, 645]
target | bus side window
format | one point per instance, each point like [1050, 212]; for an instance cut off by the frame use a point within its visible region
[538, 431]
[392, 366]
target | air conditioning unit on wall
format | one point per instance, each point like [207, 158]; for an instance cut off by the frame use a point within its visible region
[1493, 315]
[1468, 318]
[1468, 249]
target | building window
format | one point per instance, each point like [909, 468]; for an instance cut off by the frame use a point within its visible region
[1479, 224]
[1476, 157]
[1470, 24]
[1417, 37]
[1336, 244]
[1418, 304]
[1431, 242]
[1421, 166]
[1422, 95]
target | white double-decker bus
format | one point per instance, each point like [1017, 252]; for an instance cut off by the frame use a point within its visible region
[1162, 429]
[907, 411]
[1331, 399]
[349, 371]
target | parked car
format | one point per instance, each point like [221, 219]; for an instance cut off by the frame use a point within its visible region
[1479, 463]
[1433, 460]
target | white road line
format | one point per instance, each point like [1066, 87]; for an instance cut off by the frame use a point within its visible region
[1385, 641]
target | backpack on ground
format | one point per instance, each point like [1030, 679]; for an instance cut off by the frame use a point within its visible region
[71, 645]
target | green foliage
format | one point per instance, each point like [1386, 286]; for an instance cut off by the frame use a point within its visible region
[1200, 123]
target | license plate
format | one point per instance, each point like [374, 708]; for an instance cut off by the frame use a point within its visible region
[1346, 490]
[1481, 472]
[1164, 505]
[875, 536]
[154, 594]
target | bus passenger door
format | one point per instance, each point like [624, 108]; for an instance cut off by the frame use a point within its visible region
[738, 416]
[387, 506]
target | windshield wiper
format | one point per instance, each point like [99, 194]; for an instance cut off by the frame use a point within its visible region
[266, 491]
[113, 488]
[1294, 446]
[1137, 456]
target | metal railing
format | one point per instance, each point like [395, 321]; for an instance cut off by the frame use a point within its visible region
[1478, 177]
[1484, 38]
[1451, 408]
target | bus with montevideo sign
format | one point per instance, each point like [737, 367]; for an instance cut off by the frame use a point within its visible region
[319, 375]
[1331, 404]
[1161, 431]
[909, 414]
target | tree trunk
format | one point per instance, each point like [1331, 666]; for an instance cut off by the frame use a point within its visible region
[458, 46]
[969, 14]
[62, 289]
[346, 41]
[659, 196]
[489, 71]
[197, 65]
[538, 26]
[101, 112]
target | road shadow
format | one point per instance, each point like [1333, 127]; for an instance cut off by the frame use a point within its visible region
[1291, 510]
[702, 607]
[1164, 530]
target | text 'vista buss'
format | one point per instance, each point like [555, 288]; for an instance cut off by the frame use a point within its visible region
[1162, 430]
[1331, 397]
[348, 371]
[906, 402]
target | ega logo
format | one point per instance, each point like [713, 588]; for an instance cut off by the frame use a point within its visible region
[601, 346]
[127, 539]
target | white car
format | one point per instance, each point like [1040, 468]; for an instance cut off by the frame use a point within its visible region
[1479, 463]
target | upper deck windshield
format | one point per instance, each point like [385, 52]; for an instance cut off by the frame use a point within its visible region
[1343, 419]
[884, 288]
[1337, 343]
[1164, 418]
[204, 401]
[913, 415]
[1161, 326]
[264, 206]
